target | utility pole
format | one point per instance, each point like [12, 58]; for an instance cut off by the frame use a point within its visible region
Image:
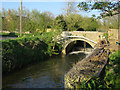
[21, 20]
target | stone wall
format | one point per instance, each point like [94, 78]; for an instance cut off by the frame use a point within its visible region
[90, 66]
[113, 35]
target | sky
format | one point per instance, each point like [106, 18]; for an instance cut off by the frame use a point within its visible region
[52, 6]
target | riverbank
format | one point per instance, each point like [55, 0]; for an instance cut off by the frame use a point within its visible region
[83, 76]
[19, 52]
[89, 67]
[111, 77]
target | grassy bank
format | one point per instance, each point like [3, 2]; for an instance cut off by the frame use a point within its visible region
[21, 51]
[111, 78]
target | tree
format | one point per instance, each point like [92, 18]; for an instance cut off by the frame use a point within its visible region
[60, 22]
[70, 7]
[76, 22]
[9, 20]
[49, 19]
[4, 21]
[109, 23]
[30, 26]
[73, 21]
[42, 20]
[46, 20]
[88, 24]
[0, 21]
[13, 22]
[107, 8]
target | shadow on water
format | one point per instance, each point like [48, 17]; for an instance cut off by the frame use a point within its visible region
[46, 74]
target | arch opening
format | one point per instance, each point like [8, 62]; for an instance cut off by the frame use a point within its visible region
[78, 45]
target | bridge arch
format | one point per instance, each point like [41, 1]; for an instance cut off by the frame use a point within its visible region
[68, 42]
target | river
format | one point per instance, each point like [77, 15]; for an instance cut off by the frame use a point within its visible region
[45, 74]
[6, 37]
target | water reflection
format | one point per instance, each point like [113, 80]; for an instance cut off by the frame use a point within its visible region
[45, 74]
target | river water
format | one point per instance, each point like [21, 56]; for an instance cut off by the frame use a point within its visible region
[45, 74]
[6, 37]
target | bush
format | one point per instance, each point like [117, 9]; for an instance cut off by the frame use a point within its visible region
[12, 34]
[106, 35]
[17, 53]
[21, 51]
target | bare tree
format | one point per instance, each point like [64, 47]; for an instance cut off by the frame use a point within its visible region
[70, 7]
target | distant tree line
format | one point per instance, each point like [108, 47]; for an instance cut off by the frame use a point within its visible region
[35, 21]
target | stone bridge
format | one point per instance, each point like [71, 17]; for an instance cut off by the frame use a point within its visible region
[69, 37]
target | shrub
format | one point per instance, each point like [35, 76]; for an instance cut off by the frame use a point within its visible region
[21, 51]
[106, 35]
